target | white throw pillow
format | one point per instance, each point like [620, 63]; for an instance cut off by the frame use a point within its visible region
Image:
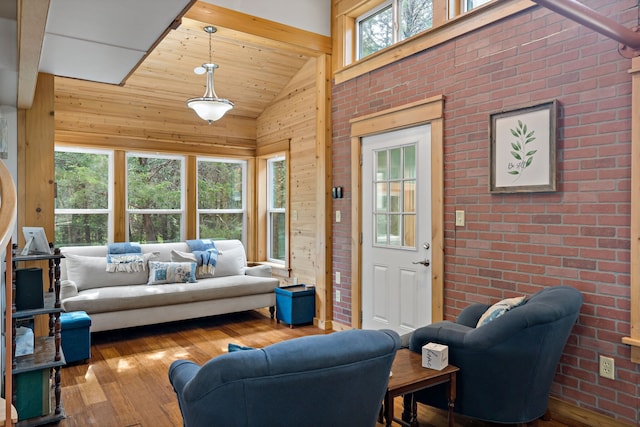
[231, 262]
[498, 309]
[89, 272]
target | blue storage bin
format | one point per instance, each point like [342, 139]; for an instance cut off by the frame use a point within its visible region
[296, 304]
[76, 336]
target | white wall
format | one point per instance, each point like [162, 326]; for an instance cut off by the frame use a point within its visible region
[309, 15]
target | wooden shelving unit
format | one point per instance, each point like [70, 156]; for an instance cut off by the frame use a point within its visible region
[47, 355]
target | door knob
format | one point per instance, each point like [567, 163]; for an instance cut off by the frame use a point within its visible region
[424, 262]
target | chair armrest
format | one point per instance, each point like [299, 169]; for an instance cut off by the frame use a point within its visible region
[68, 289]
[258, 270]
[180, 373]
[471, 314]
[445, 332]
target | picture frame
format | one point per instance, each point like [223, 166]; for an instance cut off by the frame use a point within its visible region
[523, 149]
[35, 241]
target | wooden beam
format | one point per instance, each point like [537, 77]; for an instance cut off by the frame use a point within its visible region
[32, 20]
[313, 44]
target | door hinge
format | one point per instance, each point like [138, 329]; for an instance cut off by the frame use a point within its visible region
[361, 159]
[361, 237]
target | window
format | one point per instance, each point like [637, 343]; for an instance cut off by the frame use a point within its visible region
[221, 199]
[395, 195]
[471, 4]
[83, 204]
[276, 209]
[391, 22]
[155, 202]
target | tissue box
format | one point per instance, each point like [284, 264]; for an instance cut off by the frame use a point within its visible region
[435, 356]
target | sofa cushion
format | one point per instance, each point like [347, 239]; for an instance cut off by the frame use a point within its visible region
[201, 272]
[231, 262]
[171, 272]
[498, 309]
[89, 272]
[110, 298]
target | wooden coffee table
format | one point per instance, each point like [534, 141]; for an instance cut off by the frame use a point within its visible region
[408, 376]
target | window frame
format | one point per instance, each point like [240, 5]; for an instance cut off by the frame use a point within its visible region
[243, 210]
[183, 191]
[449, 22]
[270, 209]
[110, 188]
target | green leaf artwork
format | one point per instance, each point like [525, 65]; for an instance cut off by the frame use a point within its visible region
[523, 156]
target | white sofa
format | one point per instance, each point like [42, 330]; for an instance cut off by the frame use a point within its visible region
[121, 300]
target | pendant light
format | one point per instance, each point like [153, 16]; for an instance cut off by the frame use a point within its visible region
[209, 107]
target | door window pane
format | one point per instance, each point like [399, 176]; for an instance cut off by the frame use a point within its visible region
[395, 196]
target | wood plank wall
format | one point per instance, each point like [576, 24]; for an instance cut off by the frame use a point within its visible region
[293, 116]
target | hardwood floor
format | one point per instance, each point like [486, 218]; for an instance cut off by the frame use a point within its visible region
[125, 383]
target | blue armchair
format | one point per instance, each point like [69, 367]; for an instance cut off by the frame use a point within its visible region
[338, 379]
[507, 365]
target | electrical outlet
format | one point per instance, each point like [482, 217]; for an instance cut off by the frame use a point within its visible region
[295, 280]
[337, 296]
[607, 367]
[337, 277]
[338, 216]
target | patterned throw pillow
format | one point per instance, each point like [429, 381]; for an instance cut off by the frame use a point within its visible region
[179, 256]
[171, 272]
[498, 309]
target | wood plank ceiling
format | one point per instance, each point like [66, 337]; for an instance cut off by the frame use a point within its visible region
[150, 106]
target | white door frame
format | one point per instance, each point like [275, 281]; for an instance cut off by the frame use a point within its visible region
[430, 111]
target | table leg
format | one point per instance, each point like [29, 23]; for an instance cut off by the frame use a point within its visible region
[388, 409]
[452, 397]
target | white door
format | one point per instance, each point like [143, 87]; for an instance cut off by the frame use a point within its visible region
[396, 230]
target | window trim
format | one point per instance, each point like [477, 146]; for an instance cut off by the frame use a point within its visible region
[110, 187]
[443, 30]
[271, 210]
[279, 148]
[245, 191]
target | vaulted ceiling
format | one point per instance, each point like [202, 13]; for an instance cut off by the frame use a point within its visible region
[257, 59]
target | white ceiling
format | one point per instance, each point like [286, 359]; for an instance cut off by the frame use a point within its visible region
[101, 40]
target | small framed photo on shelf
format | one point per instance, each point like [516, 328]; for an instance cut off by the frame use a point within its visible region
[523, 149]
[35, 241]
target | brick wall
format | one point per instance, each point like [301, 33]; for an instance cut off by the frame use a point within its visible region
[516, 244]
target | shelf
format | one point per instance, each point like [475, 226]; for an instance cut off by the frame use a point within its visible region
[49, 307]
[42, 357]
[35, 257]
[50, 418]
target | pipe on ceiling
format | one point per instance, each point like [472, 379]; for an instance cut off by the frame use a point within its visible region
[588, 17]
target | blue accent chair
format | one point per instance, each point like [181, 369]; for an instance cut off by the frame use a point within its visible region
[506, 366]
[338, 379]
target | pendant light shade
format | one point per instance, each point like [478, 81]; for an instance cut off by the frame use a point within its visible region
[209, 107]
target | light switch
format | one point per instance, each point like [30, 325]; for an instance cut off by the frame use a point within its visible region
[338, 216]
[459, 218]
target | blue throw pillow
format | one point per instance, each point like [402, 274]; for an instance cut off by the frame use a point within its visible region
[237, 347]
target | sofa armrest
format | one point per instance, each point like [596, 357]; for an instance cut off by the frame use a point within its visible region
[262, 270]
[68, 289]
